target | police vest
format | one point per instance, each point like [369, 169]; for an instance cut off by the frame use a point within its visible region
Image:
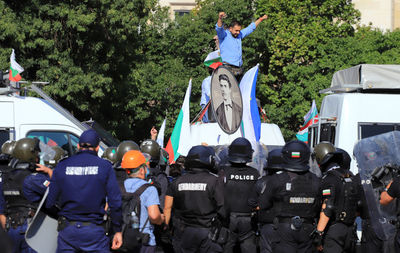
[299, 197]
[13, 180]
[265, 215]
[347, 202]
[195, 198]
[239, 182]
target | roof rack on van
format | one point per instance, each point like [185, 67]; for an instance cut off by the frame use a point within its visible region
[365, 77]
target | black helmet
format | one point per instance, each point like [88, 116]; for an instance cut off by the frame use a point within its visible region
[240, 151]
[110, 154]
[152, 148]
[296, 155]
[321, 151]
[27, 150]
[200, 157]
[344, 158]
[59, 154]
[8, 147]
[274, 160]
[124, 147]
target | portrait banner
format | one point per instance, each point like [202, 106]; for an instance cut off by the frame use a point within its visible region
[226, 100]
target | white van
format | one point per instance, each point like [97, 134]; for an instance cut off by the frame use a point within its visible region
[24, 116]
[364, 102]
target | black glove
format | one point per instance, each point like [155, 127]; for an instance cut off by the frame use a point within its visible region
[317, 237]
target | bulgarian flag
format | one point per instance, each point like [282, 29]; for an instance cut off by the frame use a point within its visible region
[213, 59]
[15, 69]
[179, 142]
[310, 118]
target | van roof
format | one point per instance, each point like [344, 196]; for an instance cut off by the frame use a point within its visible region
[365, 77]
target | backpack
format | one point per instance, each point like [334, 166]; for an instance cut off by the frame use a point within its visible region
[133, 237]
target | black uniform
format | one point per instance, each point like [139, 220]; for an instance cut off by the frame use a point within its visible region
[18, 208]
[340, 192]
[239, 182]
[370, 243]
[295, 200]
[198, 197]
[394, 192]
[265, 217]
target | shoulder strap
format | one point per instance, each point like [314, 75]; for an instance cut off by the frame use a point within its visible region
[138, 192]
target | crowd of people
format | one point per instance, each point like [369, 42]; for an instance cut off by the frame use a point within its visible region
[201, 203]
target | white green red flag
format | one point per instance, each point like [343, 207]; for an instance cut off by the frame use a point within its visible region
[15, 69]
[179, 142]
[310, 118]
[213, 59]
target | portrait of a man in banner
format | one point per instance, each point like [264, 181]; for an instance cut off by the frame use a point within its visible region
[226, 100]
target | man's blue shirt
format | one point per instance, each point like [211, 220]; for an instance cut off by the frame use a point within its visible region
[35, 186]
[148, 198]
[81, 185]
[231, 47]
[205, 90]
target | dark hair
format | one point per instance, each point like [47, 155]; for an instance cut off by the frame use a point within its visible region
[226, 78]
[233, 23]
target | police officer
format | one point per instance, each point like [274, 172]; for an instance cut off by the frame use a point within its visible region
[392, 192]
[266, 216]
[341, 196]
[4, 240]
[82, 183]
[294, 196]
[122, 148]
[35, 185]
[157, 173]
[110, 154]
[18, 208]
[239, 181]
[197, 196]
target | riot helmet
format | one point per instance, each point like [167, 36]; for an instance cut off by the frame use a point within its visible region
[59, 154]
[200, 157]
[274, 160]
[295, 156]
[8, 147]
[110, 154]
[323, 152]
[27, 150]
[124, 147]
[240, 151]
[344, 158]
[152, 148]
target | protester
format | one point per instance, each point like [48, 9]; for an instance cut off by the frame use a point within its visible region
[230, 42]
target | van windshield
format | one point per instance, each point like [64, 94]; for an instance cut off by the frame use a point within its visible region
[371, 129]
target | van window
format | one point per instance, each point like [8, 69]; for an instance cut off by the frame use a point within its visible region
[65, 140]
[328, 132]
[366, 130]
[4, 136]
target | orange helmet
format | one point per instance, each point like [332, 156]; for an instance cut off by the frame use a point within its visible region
[132, 160]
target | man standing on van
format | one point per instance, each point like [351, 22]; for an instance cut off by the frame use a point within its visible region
[81, 184]
[230, 42]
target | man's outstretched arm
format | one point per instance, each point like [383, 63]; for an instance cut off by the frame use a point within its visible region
[258, 21]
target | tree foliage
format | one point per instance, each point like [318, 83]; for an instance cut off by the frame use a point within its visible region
[127, 65]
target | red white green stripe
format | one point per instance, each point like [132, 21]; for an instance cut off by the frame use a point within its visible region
[179, 143]
[326, 192]
[310, 118]
[213, 59]
[296, 154]
[15, 69]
